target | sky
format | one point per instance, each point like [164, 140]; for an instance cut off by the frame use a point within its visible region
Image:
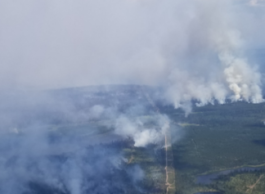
[64, 43]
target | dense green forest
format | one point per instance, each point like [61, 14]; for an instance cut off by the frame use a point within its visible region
[217, 138]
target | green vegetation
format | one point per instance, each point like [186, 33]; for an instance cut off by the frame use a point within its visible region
[216, 138]
[152, 162]
[249, 183]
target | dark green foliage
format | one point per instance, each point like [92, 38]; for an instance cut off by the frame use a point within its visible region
[218, 137]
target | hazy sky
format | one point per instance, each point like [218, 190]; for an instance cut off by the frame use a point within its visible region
[63, 43]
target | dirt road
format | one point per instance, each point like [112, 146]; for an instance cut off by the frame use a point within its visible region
[169, 168]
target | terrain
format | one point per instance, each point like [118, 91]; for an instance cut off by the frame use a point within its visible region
[216, 149]
[220, 138]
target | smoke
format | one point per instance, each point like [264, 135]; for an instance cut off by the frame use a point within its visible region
[57, 150]
[48, 44]
[243, 81]
[214, 67]
[256, 3]
[32, 164]
[73, 140]
[140, 132]
[194, 51]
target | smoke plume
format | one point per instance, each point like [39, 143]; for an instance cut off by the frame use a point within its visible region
[143, 135]
[195, 50]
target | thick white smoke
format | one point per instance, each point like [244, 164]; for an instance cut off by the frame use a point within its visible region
[243, 81]
[141, 134]
[216, 69]
[236, 78]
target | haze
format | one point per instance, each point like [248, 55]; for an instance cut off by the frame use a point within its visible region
[64, 43]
